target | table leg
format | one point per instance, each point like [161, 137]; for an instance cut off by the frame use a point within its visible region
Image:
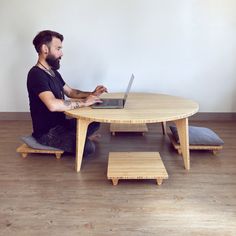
[182, 127]
[81, 132]
[163, 125]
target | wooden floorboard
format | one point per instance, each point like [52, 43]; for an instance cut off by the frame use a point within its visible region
[40, 195]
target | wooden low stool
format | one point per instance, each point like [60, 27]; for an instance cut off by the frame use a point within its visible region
[136, 165]
[24, 150]
[30, 145]
[176, 145]
[133, 128]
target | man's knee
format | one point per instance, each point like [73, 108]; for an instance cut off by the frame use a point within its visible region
[93, 127]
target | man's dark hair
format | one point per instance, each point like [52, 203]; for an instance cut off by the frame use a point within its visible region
[45, 37]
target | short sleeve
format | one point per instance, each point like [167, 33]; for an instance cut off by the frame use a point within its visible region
[37, 81]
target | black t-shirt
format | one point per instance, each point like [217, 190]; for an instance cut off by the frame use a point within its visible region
[39, 81]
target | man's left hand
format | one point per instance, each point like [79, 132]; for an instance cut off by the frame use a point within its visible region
[100, 89]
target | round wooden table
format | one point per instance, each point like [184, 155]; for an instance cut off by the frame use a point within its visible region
[139, 108]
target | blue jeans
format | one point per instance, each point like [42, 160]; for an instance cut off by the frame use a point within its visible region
[64, 137]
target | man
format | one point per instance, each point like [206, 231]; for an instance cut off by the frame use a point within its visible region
[46, 90]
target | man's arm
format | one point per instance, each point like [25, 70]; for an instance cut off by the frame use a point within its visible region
[75, 93]
[53, 104]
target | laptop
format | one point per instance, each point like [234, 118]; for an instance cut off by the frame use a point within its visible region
[114, 103]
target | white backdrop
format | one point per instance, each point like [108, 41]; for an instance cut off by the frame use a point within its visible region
[179, 47]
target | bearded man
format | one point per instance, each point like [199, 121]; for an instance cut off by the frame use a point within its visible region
[47, 91]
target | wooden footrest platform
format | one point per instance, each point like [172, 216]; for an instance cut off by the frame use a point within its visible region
[142, 128]
[136, 165]
[24, 150]
[176, 145]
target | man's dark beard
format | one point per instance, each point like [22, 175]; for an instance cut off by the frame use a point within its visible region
[53, 62]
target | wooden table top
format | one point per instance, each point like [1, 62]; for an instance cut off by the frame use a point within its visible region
[140, 108]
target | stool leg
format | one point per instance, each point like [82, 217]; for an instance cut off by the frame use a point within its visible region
[24, 155]
[214, 152]
[115, 181]
[58, 155]
[159, 181]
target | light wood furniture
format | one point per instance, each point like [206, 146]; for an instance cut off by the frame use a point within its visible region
[176, 145]
[133, 128]
[163, 125]
[136, 128]
[43, 197]
[136, 165]
[140, 108]
[24, 150]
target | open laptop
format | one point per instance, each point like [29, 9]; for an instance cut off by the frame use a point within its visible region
[114, 103]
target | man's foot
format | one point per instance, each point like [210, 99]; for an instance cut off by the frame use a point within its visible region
[89, 148]
[95, 137]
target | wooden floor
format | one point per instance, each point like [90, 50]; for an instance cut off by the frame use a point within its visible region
[41, 195]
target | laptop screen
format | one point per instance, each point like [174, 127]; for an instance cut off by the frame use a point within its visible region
[128, 88]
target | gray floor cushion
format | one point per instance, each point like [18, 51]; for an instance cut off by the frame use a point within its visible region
[199, 136]
[31, 142]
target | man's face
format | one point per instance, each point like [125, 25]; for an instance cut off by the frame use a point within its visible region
[55, 53]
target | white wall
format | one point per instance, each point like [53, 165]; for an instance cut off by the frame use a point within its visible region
[180, 47]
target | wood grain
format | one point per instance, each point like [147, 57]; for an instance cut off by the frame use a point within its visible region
[24, 150]
[212, 148]
[137, 128]
[40, 195]
[136, 165]
[141, 108]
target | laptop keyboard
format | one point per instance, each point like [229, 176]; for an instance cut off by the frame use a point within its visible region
[110, 102]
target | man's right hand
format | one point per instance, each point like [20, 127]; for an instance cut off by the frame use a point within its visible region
[91, 99]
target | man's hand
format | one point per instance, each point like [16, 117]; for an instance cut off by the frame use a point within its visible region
[100, 89]
[77, 103]
[91, 99]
